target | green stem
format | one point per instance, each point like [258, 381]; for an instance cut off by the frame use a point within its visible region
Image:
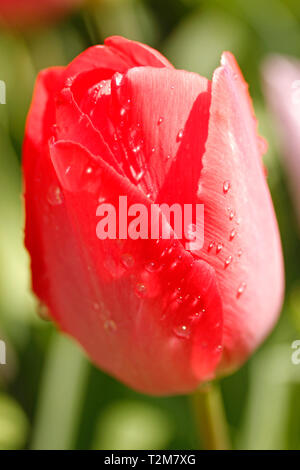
[61, 396]
[210, 417]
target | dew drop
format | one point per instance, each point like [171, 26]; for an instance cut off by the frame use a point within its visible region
[160, 121]
[174, 265]
[197, 314]
[152, 267]
[170, 250]
[219, 348]
[140, 289]
[55, 196]
[226, 186]
[182, 331]
[136, 149]
[89, 170]
[232, 234]
[219, 247]
[239, 253]
[231, 214]
[118, 78]
[210, 246]
[241, 289]
[69, 82]
[136, 175]
[180, 135]
[127, 260]
[110, 325]
[227, 262]
[67, 171]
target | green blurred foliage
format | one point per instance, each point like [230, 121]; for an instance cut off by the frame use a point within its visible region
[51, 396]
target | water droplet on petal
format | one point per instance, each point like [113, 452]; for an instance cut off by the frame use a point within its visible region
[227, 262]
[182, 331]
[174, 265]
[160, 121]
[210, 246]
[69, 81]
[55, 196]
[110, 325]
[231, 214]
[197, 314]
[232, 234]
[226, 186]
[140, 289]
[136, 149]
[241, 289]
[239, 253]
[127, 260]
[118, 78]
[219, 247]
[180, 135]
[152, 267]
[137, 175]
[89, 170]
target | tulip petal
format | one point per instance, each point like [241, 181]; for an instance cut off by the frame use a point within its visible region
[144, 130]
[233, 177]
[137, 53]
[143, 309]
[241, 235]
[117, 55]
[39, 129]
[76, 126]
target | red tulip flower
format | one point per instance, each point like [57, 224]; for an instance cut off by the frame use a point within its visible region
[26, 13]
[120, 120]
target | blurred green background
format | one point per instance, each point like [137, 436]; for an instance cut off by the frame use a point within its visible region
[51, 397]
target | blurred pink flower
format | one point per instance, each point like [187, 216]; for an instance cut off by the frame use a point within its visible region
[282, 89]
[21, 14]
